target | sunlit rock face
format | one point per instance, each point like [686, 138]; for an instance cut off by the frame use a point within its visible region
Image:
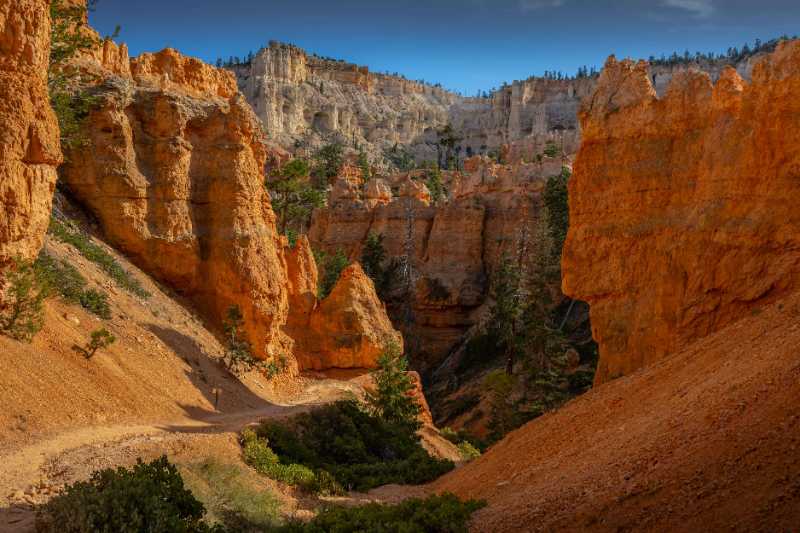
[683, 207]
[29, 135]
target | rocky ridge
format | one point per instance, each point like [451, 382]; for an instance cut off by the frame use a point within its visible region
[682, 206]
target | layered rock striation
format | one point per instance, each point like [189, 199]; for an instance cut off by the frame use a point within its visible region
[29, 134]
[683, 207]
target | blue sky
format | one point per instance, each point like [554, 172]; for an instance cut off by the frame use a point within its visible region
[467, 45]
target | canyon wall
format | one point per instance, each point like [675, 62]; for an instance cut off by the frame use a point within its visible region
[453, 246]
[526, 115]
[174, 173]
[683, 207]
[308, 100]
[300, 97]
[29, 134]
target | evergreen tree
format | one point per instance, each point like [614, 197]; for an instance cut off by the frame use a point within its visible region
[373, 257]
[393, 398]
[293, 196]
[506, 310]
[331, 267]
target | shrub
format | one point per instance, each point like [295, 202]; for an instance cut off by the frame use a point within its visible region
[356, 448]
[61, 277]
[436, 514]
[96, 254]
[551, 149]
[22, 312]
[148, 497]
[468, 451]
[260, 456]
[435, 186]
[100, 338]
[96, 302]
[65, 279]
[328, 162]
[232, 496]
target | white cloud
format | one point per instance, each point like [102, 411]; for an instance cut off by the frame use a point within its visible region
[533, 5]
[698, 8]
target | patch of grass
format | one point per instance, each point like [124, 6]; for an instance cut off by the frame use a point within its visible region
[96, 254]
[437, 514]
[230, 497]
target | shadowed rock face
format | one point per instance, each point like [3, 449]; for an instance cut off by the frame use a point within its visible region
[174, 174]
[683, 208]
[29, 136]
[453, 247]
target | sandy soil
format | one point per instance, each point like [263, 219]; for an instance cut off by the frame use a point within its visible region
[707, 440]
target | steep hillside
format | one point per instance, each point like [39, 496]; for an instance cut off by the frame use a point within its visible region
[705, 440]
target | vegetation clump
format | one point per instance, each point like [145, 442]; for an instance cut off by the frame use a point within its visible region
[348, 444]
[148, 497]
[99, 338]
[70, 284]
[22, 312]
[436, 514]
[330, 267]
[294, 196]
[327, 163]
[96, 254]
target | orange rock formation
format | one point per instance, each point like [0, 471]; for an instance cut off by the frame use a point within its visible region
[349, 328]
[683, 208]
[175, 176]
[29, 136]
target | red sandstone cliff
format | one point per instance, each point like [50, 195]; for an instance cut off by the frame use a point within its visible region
[683, 208]
[29, 136]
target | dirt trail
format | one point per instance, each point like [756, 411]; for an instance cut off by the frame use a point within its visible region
[31, 473]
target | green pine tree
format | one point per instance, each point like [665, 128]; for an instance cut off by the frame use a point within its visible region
[393, 398]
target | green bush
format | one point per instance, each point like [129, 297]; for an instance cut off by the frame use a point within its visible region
[393, 398]
[96, 254]
[22, 312]
[468, 451]
[435, 514]
[148, 497]
[96, 302]
[100, 338]
[65, 279]
[358, 449]
[260, 456]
